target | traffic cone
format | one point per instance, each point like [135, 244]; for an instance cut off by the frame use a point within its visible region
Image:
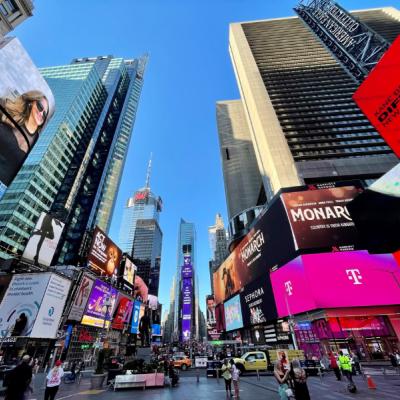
[370, 382]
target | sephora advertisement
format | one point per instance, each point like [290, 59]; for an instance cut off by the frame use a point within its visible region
[135, 317]
[330, 280]
[43, 242]
[233, 314]
[257, 301]
[319, 218]
[104, 255]
[379, 96]
[81, 298]
[26, 106]
[96, 313]
[122, 312]
[187, 295]
[33, 305]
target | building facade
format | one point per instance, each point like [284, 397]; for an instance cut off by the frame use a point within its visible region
[12, 13]
[297, 99]
[75, 168]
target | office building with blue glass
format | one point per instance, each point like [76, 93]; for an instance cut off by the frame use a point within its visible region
[74, 170]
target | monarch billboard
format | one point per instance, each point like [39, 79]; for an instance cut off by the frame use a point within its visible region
[379, 96]
[26, 106]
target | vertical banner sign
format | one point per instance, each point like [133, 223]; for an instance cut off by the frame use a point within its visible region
[187, 294]
[81, 299]
[26, 106]
[379, 97]
[135, 317]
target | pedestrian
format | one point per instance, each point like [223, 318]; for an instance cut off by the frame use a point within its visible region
[397, 354]
[299, 379]
[393, 360]
[283, 379]
[226, 370]
[335, 367]
[235, 377]
[19, 380]
[144, 328]
[356, 362]
[53, 381]
[345, 366]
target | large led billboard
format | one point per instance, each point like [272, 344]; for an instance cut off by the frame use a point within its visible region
[135, 316]
[129, 272]
[97, 313]
[33, 305]
[379, 96]
[141, 291]
[331, 280]
[187, 295]
[26, 105]
[44, 239]
[122, 312]
[81, 298]
[104, 255]
[233, 314]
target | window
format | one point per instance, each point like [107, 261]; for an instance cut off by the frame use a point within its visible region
[227, 154]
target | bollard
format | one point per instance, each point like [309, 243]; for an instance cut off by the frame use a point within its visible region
[197, 375]
[258, 375]
[217, 371]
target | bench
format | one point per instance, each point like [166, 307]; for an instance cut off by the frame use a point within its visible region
[129, 381]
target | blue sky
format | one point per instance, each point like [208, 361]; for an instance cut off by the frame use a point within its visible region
[189, 70]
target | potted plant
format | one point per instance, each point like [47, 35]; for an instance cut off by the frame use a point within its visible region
[97, 379]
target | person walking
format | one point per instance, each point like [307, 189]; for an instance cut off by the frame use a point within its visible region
[299, 379]
[356, 362]
[144, 329]
[235, 377]
[335, 367]
[345, 366]
[19, 380]
[226, 370]
[283, 379]
[53, 381]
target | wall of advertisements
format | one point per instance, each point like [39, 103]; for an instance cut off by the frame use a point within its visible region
[333, 280]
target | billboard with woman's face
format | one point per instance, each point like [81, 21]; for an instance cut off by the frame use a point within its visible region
[26, 105]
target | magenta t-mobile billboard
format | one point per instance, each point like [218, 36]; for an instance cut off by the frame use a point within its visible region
[330, 280]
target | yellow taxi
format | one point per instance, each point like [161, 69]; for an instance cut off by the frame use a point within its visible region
[182, 362]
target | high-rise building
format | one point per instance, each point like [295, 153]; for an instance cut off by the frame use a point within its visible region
[74, 170]
[297, 100]
[12, 13]
[242, 179]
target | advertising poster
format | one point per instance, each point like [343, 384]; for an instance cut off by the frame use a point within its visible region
[26, 106]
[81, 298]
[332, 280]
[49, 316]
[135, 317]
[257, 300]
[122, 313]
[211, 318]
[141, 291]
[156, 329]
[96, 313]
[233, 314]
[187, 294]
[187, 269]
[220, 317]
[104, 255]
[379, 96]
[44, 240]
[129, 272]
[320, 218]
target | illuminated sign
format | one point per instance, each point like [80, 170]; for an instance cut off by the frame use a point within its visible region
[141, 196]
[352, 42]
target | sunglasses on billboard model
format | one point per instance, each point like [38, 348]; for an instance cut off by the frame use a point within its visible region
[41, 108]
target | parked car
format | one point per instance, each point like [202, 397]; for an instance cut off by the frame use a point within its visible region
[182, 362]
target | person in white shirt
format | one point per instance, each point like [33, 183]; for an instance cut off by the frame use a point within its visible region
[53, 381]
[235, 378]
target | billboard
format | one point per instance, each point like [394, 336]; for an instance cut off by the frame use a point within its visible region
[258, 304]
[233, 314]
[129, 269]
[211, 318]
[141, 291]
[33, 305]
[26, 106]
[379, 96]
[330, 280]
[135, 317]
[220, 317]
[156, 329]
[319, 218]
[96, 313]
[44, 239]
[187, 295]
[122, 312]
[187, 269]
[81, 298]
[104, 255]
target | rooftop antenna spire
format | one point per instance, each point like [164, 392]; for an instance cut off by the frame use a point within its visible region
[149, 172]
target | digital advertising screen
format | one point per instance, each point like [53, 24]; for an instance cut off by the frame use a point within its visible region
[141, 290]
[96, 313]
[122, 313]
[187, 295]
[136, 317]
[81, 298]
[129, 272]
[233, 314]
[44, 239]
[187, 269]
[156, 329]
[332, 280]
[24, 96]
[104, 255]
[220, 317]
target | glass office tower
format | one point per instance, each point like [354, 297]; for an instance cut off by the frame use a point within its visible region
[75, 168]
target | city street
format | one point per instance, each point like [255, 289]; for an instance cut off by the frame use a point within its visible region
[210, 389]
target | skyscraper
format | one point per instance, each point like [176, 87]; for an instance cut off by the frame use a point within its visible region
[12, 13]
[297, 100]
[75, 168]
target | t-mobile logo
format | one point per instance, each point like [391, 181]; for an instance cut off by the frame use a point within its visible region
[354, 275]
[289, 288]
